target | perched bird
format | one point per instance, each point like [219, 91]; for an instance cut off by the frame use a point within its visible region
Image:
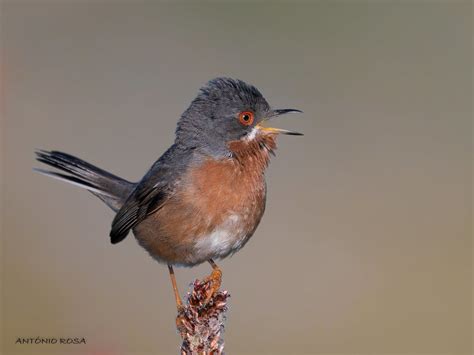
[204, 197]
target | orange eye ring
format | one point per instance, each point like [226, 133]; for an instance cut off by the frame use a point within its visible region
[246, 118]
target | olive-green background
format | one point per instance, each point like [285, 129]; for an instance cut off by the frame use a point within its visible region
[365, 246]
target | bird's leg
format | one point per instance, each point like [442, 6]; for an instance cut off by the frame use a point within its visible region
[214, 280]
[179, 303]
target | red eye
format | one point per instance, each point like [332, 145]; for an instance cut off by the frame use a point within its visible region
[246, 118]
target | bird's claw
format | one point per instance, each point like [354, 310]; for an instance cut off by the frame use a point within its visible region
[180, 308]
[214, 281]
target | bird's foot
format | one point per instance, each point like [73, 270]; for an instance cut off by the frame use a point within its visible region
[180, 308]
[214, 281]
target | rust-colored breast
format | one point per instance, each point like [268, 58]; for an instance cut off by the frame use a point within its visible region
[216, 210]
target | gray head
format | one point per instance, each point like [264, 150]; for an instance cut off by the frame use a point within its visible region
[225, 110]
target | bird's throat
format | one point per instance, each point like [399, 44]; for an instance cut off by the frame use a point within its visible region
[254, 153]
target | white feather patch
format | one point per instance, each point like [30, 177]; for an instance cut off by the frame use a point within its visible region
[222, 240]
[252, 134]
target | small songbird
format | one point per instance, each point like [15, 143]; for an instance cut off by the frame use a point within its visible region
[204, 197]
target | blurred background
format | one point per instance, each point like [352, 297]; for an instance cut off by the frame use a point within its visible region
[365, 246]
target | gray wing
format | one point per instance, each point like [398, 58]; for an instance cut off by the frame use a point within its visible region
[135, 210]
[151, 193]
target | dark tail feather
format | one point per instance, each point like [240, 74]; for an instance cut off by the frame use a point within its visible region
[109, 188]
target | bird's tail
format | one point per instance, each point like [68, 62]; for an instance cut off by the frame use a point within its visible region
[109, 188]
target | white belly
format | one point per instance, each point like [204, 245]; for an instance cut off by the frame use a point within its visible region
[225, 239]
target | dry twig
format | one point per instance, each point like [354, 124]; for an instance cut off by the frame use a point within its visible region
[201, 323]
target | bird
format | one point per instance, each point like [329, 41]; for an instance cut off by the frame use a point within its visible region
[203, 199]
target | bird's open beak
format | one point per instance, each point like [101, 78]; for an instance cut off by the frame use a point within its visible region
[275, 113]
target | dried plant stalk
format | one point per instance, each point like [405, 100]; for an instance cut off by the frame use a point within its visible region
[201, 323]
